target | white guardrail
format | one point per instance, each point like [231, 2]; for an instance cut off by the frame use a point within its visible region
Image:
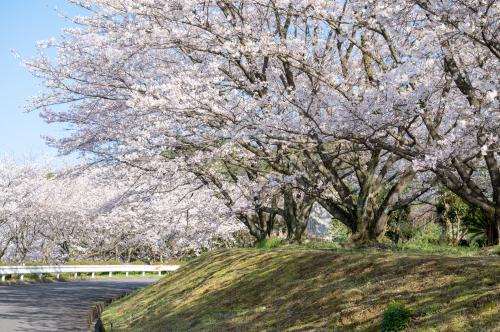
[75, 269]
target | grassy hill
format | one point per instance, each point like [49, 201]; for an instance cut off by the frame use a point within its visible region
[315, 290]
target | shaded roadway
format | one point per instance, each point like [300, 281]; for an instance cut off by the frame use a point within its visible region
[58, 306]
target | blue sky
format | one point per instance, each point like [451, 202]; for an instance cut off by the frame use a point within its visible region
[22, 24]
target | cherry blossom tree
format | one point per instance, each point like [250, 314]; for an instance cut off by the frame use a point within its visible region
[18, 185]
[439, 106]
[56, 214]
[273, 105]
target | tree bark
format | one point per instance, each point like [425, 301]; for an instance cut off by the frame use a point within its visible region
[296, 211]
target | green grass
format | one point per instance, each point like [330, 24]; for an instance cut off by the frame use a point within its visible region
[440, 249]
[269, 243]
[301, 289]
[50, 277]
[32, 278]
[396, 317]
[411, 248]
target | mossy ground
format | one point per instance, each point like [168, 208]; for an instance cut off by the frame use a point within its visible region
[293, 289]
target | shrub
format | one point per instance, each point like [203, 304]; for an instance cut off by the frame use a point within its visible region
[269, 243]
[396, 317]
[464, 222]
[338, 232]
[430, 234]
[399, 227]
[427, 240]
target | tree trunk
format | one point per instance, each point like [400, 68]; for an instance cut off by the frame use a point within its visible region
[260, 224]
[369, 231]
[493, 232]
[129, 254]
[297, 209]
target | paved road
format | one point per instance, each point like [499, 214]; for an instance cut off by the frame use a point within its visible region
[57, 306]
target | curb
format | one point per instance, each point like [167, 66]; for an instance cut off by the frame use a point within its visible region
[94, 321]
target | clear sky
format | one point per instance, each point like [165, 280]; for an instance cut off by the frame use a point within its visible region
[22, 24]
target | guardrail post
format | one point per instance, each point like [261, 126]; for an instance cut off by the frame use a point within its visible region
[110, 274]
[126, 274]
[3, 278]
[159, 273]
[22, 277]
[143, 273]
[76, 275]
[40, 276]
[58, 275]
[93, 274]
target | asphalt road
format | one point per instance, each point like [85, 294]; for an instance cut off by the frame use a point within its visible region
[58, 306]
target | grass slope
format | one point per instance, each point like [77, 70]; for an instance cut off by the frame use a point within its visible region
[315, 290]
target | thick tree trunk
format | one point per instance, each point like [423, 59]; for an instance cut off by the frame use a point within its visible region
[296, 211]
[260, 225]
[369, 231]
[373, 216]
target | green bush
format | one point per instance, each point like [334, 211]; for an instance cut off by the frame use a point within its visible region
[338, 232]
[396, 317]
[399, 227]
[269, 243]
[430, 234]
[427, 241]
[466, 221]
